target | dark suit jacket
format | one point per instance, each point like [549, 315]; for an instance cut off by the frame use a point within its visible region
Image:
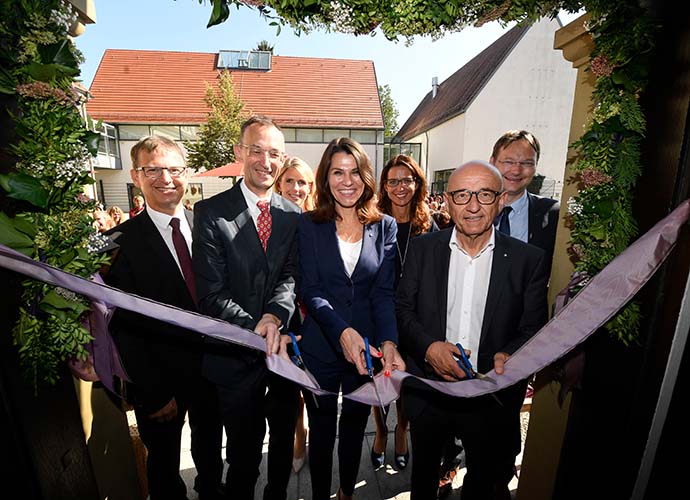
[158, 357]
[334, 300]
[235, 280]
[515, 305]
[542, 224]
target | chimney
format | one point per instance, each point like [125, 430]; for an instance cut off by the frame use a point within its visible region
[434, 86]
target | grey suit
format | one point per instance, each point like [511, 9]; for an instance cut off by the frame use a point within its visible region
[238, 282]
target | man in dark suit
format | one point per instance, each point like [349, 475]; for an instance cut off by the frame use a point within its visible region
[473, 285]
[530, 218]
[245, 262]
[164, 361]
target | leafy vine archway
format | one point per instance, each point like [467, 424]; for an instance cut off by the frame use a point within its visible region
[608, 159]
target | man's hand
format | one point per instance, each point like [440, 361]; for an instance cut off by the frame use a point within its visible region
[353, 349]
[268, 327]
[284, 341]
[167, 413]
[440, 356]
[499, 360]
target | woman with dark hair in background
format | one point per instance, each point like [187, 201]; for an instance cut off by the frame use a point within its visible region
[403, 195]
[347, 262]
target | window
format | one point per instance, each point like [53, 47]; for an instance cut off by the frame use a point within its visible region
[189, 132]
[289, 134]
[133, 132]
[309, 135]
[364, 136]
[334, 133]
[440, 181]
[244, 59]
[169, 131]
[413, 149]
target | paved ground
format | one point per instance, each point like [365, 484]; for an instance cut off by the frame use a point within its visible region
[385, 483]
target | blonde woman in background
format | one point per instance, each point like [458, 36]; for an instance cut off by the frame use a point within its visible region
[117, 214]
[296, 183]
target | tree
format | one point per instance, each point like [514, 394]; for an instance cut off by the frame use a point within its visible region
[390, 111]
[265, 46]
[214, 145]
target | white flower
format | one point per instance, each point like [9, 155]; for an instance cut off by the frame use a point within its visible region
[574, 206]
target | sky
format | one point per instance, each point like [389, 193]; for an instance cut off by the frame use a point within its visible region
[180, 25]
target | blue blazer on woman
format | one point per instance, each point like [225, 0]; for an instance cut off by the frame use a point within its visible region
[334, 300]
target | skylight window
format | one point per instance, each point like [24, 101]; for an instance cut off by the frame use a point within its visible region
[244, 59]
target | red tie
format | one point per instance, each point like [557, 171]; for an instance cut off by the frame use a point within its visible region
[263, 223]
[183, 256]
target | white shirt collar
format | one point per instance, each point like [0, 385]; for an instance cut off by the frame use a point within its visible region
[250, 197]
[520, 204]
[489, 244]
[162, 221]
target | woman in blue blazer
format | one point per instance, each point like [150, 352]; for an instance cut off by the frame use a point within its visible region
[347, 261]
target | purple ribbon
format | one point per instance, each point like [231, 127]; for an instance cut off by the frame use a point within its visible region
[592, 307]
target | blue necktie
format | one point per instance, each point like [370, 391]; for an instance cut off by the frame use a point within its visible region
[504, 221]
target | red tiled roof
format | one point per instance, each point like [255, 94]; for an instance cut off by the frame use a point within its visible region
[456, 93]
[146, 86]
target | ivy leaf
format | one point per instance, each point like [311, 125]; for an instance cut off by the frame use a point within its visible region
[7, 82]
[220, 13]
[13, 233]
[21, 186]
[57, 304]
[60, 55]
[91, 140]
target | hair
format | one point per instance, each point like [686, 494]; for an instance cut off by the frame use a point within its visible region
[261, 120]
[109, 222]
[303, 168]
[151, 143]
[367, 212]
[420, 217]
[515, 135]
[442, 218]
[116, 210]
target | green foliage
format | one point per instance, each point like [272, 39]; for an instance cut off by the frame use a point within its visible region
[390, 111]
[265, 46]
[43, 210]
[216, 138]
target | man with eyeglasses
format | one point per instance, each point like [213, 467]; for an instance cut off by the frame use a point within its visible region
[163, 361]
[475, 286]
[526, 216]
[245, 263]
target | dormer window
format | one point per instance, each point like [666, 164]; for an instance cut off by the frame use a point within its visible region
[244, 59]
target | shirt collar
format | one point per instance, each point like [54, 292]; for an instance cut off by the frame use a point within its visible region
[520, 204]
[489, 244]
[161, 220]
[250, 197]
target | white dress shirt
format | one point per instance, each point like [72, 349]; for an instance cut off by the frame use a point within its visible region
[252, 199]
[468, 286]
[162, 223]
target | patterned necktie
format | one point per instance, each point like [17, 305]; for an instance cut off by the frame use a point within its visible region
[504, 223]
[183, 256]
[263, 223]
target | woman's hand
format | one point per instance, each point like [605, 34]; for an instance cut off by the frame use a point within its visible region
[353, 349]
[392, 360]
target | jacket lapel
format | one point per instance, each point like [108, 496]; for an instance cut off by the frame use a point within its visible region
[500, 268]
[441, 267]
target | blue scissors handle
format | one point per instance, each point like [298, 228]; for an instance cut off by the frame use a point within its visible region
[295, 347]
[367, 356]
[464, 362]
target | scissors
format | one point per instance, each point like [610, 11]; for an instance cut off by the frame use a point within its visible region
[466, 366]
[297, 359]
[370, 372]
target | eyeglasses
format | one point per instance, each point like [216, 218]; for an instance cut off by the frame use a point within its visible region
[156, 172]
[463, 196]
[273, 154]
[405, 181]
[512, 163]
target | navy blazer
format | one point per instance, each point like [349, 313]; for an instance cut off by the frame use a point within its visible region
[542, 223]
[334, 300]
[236, 280]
